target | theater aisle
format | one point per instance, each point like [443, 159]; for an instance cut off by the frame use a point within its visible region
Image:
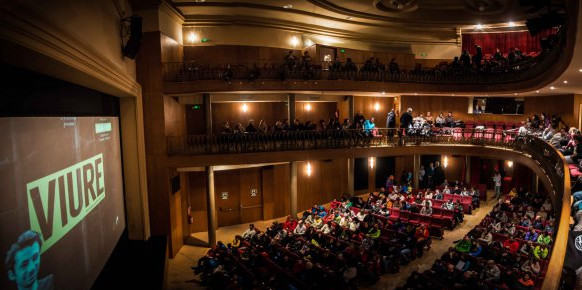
[438, 247]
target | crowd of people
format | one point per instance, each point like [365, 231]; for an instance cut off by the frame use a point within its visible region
[509, 249]
[303, 66]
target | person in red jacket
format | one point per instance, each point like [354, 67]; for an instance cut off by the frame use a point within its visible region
[511, 244]
[290, 224]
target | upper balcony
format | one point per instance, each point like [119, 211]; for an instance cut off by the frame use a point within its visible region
[535, 70]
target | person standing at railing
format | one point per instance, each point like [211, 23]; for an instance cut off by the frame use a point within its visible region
[497, 180]
[405, 122]
[391, 119]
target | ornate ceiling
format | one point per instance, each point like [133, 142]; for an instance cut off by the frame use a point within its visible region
[420, 21]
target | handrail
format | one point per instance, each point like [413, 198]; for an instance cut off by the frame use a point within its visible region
[550, 160]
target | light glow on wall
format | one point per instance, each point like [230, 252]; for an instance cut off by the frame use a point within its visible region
[446, 162]
[307, 107]
[377, 107]
[371, 162]
[308, 169]
[294, 41]
[244, 108]
[193, 37]
[509, 164]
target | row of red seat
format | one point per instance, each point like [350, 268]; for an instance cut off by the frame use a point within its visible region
[574, 171]
[491, 125]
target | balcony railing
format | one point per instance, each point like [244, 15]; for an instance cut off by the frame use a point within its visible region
[331, 139]
[549, 160]
[321, 70]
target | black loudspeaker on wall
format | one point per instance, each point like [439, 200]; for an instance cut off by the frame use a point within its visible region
[131, 47]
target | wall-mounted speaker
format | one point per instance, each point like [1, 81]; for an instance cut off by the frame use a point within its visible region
[131, 47]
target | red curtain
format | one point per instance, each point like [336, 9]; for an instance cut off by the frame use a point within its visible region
[505, 41]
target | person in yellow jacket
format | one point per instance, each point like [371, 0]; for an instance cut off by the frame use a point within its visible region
[540, 252]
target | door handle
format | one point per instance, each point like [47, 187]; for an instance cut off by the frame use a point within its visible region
[252, 206]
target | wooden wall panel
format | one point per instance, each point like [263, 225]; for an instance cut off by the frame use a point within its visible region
[251, 179]
[195, 121]
[231, 54]
[319, 111]
[328, 180]
[197, 193]
[176, 218]
[560, 105]
[269, 111]
[404, 60]
[366, 105]
[175, 117]
[455, 167]
[172, 51]
[227, 181]
[403, 163]
[275, 191]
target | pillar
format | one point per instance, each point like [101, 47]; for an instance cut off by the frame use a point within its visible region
[291, 108]
[468, 169]
[293, 188]
[536, 183]
[351, 108]
[210, 205]
[416, 171]
[351, 164]
[371, 174]
[207, 113]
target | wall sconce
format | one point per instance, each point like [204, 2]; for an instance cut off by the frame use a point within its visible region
[371, 162]
[377, 107]
[244, 108]
[193, 37]
[307, 107]
[308, 169]
[327, 57]
[446, 162]
[294, 41]
[509, 164]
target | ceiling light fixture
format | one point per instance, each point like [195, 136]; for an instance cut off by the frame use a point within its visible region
[580, 70]
[565, 82]
[538, 92]
[511, 24]
[416, 94]
[515, 94]
[383, 93]
[288, 6]
[349, 18]
[552, 88]
[479, 26]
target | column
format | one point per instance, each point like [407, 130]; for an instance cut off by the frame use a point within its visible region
[536, 183]
[351, 164]
[467, 169]
[371, 174]
[207, 113]
[210, 206]
[291, 108]
[416, 171]
[351, 108]
[293, 188]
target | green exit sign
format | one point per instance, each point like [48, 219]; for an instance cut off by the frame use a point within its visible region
[342, 50]
[423, 54]
[204, 39]
[196, 107]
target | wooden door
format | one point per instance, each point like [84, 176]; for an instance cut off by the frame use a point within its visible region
[251, 195]
[227, 196]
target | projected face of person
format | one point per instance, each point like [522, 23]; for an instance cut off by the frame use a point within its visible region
[26, 266]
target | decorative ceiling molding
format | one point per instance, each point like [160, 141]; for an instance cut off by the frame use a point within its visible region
[447, 36]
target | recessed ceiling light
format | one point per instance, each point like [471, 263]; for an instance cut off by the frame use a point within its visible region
[511, 24]
[538, 91]
[349, 18]
[515, 94]
[552, 88]
[200, 1]
[383, 93]
[565, 82]
[580, 70]
[288, 6]
[479, 26]
[416, 94]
